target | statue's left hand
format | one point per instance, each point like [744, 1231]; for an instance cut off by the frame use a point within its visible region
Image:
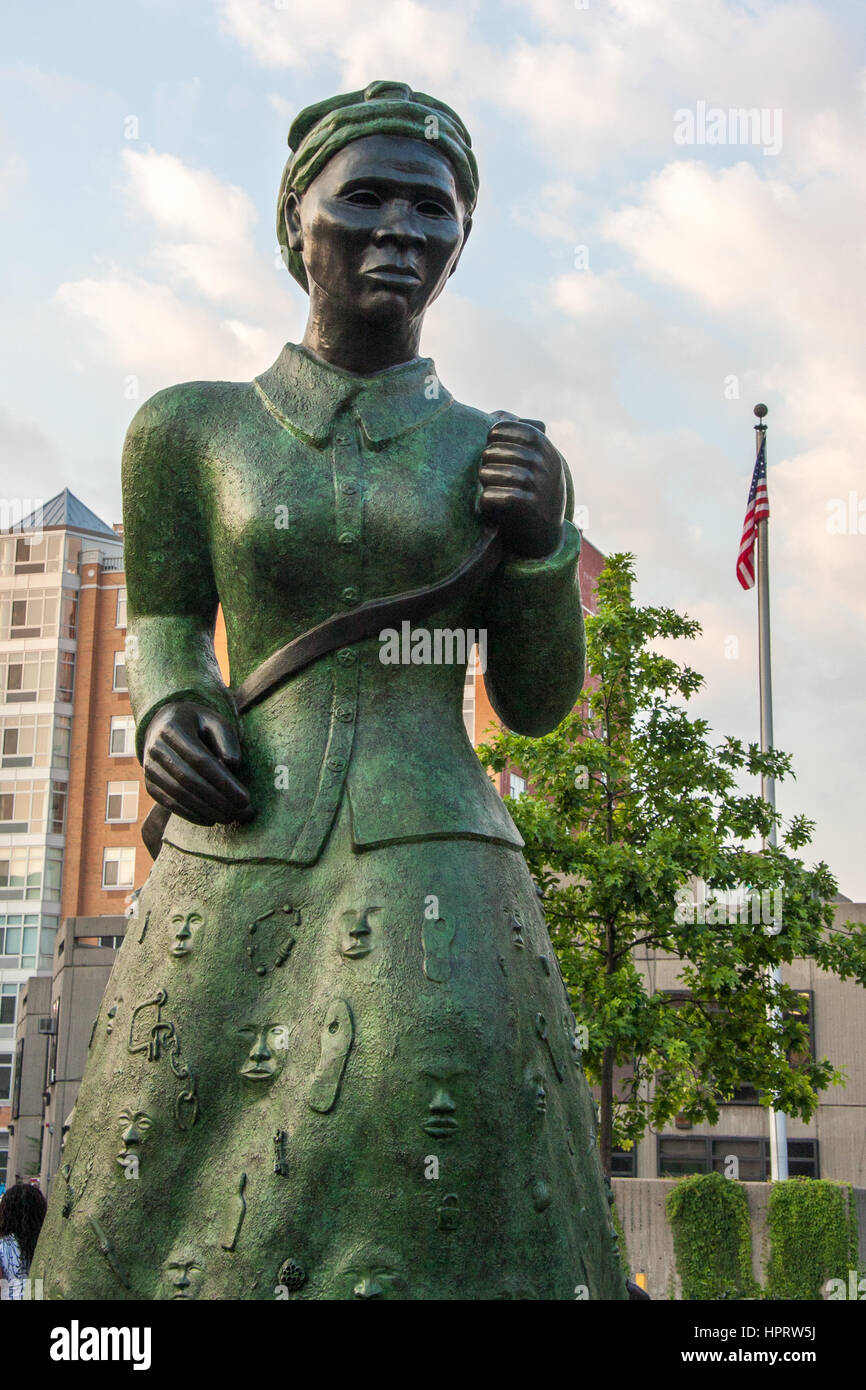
[523, 486]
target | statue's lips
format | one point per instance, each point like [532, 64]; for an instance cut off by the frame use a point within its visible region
[393, 275]
[442, 1127]
[358, 949]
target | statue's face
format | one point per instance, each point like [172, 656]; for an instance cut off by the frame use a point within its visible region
[381, 227]
[134, 1124]
[267, 1053]
[185, 922]
[182, 1275]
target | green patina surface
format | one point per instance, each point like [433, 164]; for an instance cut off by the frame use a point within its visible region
[341, 1026]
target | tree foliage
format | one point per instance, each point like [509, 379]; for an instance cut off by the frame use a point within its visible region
[633, 811]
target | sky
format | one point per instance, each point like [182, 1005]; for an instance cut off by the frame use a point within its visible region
[643, 268]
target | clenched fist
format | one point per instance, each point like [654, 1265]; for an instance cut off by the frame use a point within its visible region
[523, 487]
[190, 753]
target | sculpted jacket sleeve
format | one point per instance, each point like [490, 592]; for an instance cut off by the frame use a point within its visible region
[535, 639]
[172, 597]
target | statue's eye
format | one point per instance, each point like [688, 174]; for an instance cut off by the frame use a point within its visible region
[430, 209]
[364, 198]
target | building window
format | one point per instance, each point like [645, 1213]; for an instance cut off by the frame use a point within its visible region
[30, 872]
[47, 937]
[57, 814]
[121, 803]
[119, 682]
[5, 1076]
[65, 676]
[516, 785]
[704, 1153]
[33, 807]
[34, 740]
[120, 619]
[16, 1088]
[121, 743]
[35, 676]
[8, 999]
[19, 937]
[4, 1157]
[469, 699]
[623, 1162]
[38, 613]
[118, 868]
[746, 1093]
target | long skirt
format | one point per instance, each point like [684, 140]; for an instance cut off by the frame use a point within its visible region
[359, 1079]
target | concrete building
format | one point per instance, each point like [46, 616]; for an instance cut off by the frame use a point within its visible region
[32, 1043]
[83, 959]
[830, 1145]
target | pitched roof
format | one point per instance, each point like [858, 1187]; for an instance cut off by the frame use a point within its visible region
[65, 510]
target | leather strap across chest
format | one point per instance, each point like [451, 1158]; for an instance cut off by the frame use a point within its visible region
[342, 630]
[368, 619]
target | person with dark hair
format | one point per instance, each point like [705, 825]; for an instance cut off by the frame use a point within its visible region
[22, 1211]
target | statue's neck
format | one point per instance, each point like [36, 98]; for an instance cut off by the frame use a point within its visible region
[354, 343]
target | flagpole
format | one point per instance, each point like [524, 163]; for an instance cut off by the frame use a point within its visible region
[777, 1118]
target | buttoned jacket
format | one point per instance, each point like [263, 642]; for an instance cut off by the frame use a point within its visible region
[301, 494]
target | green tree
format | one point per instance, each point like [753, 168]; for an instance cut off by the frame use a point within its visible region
[640, 835]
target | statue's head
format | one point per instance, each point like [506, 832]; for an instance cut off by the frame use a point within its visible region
[376, 200]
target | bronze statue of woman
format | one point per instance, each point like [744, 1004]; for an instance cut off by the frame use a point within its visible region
[336, 1058]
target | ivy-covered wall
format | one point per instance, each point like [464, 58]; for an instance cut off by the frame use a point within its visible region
[813, 1237]
[709, 1216]
[710, 1237]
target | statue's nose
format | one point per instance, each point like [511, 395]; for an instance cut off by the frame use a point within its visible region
[183, 931]
[260, 1051]
[131, 1136]
[442, 1104]
[396, 224]
[367, 1287]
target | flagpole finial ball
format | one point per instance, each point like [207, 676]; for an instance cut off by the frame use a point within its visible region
[760, 411]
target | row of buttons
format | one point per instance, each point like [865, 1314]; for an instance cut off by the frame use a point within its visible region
[348, 566]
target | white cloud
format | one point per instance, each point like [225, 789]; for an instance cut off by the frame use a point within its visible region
[188, 202]
[210, 301]
[586, 295]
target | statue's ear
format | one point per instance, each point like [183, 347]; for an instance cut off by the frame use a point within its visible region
[292, 219]
[467, 228]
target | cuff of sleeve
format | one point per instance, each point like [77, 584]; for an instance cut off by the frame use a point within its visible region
[210, 698]
[566, 555]
[172, 659]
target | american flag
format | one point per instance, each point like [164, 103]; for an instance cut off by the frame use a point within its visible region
[758, 509]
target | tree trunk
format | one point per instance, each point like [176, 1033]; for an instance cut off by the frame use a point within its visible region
[606, 1121]
[606, 1117]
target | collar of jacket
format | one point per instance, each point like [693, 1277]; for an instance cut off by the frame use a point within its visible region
[305, 394]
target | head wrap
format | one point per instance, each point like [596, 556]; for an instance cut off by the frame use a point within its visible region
[383, 108]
